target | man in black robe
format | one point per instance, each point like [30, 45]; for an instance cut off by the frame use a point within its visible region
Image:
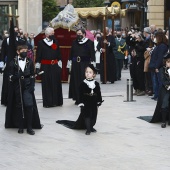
[110, 58]
[8, 52]
[48, 55]
[82, 53]
[21, 111]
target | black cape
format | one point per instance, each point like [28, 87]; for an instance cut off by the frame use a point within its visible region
[8, 53]
[163, 91]
[90, 109]
[12, 115]
[51, 79]
[87, 53]
[110, 60]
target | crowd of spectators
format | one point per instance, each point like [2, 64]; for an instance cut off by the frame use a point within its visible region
[146, 49]
[21, 38]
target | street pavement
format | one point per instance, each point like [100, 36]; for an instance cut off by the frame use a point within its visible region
[122, 141]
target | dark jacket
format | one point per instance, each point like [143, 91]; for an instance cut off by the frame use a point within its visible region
[157, 56]
[157, 117]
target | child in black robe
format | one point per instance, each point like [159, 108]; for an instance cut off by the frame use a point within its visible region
[90, 100]
[162, 113]
[21, 111]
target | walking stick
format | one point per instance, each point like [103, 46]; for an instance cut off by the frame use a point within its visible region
[20, 89]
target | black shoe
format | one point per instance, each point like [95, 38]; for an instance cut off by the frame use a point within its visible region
[93, 130]
[76, 103]
[46, 106]
[163, 125]
[20, 131]
[154, 98]
[87, 133]
[30, 132]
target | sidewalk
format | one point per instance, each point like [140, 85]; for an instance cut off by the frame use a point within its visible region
[122, 141]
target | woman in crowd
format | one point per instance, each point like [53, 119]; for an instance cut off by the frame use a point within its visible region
[156, 61]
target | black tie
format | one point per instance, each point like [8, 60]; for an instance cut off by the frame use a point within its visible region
[22, 59]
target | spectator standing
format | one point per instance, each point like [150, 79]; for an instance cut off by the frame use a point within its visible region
[157, 60]
[140, 75]
[120, 53]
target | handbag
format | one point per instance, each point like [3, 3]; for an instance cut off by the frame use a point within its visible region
[147, 57]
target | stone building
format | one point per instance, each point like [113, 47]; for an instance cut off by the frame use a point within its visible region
[27, 15]
[158, 13]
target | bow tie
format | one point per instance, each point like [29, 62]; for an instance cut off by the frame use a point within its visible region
[48, 40]
[22, 59]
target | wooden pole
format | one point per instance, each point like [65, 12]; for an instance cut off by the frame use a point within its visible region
[113, 25]
[104, 56]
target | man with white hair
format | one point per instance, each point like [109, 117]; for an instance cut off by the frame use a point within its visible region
[48, 56]
[153, 29]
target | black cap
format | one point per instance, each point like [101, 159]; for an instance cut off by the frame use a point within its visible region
[167, 56]
[92, 67]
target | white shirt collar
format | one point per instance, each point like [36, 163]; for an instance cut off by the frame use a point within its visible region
[22, 64]
[49, 43]
[83, 40]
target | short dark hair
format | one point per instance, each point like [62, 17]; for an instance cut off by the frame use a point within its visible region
[82, 30]
[20, 47]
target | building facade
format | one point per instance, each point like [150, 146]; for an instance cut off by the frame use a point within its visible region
[27, 15]
[159, 13]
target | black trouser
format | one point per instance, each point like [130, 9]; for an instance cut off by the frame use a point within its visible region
[27, 115]
[164, 107]
[148, 81]
[119, 66]
[125, 63]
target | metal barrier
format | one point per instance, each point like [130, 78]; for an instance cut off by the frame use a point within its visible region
[129, 90]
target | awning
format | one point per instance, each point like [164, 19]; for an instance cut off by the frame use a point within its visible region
[97, 11]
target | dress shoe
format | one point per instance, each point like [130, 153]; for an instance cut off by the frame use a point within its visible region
[93, 130]
[103, 83]
[30, 132]
[154, 98]
[141, 93]
[150, 93]
[76, 103]
[46, 106]
[136, 92]
[87, 133]
[20, 131]
[163, 125]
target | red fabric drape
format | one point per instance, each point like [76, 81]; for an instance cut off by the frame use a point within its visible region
[65, 53]
[65, 39]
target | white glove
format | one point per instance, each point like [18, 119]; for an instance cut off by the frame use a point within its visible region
[69, 62]
[1, 64]
[168, 71]
[60, 63]
[37, 65]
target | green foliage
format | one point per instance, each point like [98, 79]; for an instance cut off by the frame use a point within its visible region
[88, 3]
[50, 10]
